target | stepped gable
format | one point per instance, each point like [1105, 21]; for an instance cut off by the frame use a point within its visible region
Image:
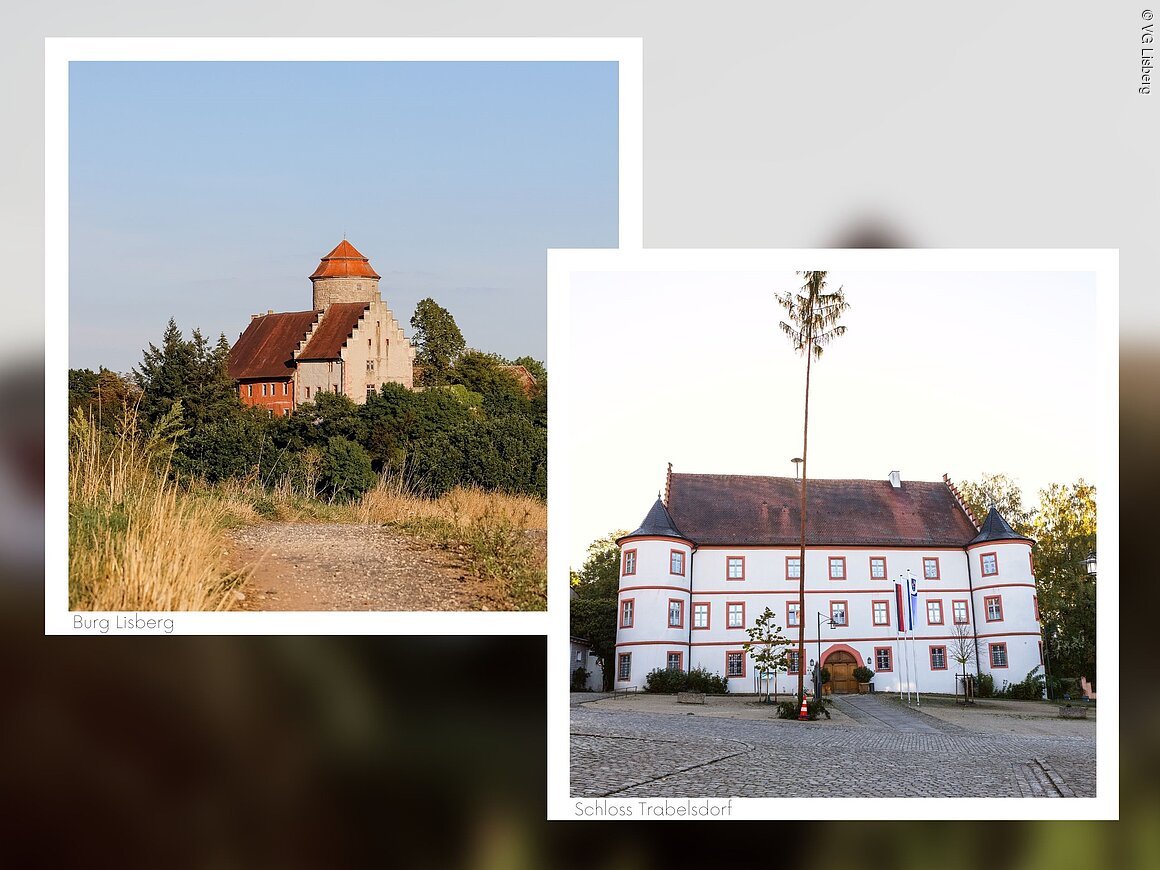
[344, 262]
[266, 348]
[750, 510]
[995, 528]
[657, 523]
[337, 324]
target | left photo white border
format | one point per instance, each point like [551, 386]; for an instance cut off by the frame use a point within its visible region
[59, 52]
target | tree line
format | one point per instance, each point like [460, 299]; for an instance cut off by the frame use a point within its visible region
[473, 424]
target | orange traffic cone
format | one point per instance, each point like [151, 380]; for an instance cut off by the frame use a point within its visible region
[804, 712]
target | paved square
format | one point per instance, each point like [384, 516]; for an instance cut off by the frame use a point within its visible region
[874, 747]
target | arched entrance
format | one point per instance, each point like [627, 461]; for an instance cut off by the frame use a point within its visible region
[841, 664]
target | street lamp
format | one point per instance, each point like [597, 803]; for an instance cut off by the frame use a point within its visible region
[1089, 563]
[818, 672]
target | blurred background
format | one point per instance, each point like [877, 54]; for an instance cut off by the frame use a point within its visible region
[766, 125]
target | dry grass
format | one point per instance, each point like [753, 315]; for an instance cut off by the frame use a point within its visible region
[136, 541]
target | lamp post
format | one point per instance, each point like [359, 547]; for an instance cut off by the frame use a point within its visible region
[818, 671]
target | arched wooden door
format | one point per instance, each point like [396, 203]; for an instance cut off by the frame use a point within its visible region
[841, 665]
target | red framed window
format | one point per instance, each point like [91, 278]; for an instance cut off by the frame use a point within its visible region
[674, 660]
[993, 607]
[793, 567]
[734, 567]
[959, 612]
[701, 614]
[629, 566]
[792, 612]
[793, 661]
[998, 655]
[676, 613]
[878, 568]
[883, 660]
[934, 612]
[627, 608]
[735, 614]
[1040, 652]
[838, 612]
[677, 562]
[735, 663]
[938, 658]
[1035, 606]
[989, 562]
[624, 667]
[881, 612]
[837, 567]
[930, 568]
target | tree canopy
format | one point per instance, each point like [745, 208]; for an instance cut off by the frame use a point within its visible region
[596, 588]
[437, 339]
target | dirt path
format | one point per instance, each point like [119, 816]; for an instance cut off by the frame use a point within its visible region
[333, 566]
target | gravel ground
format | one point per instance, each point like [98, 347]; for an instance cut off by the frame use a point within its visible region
[715, 706]
[999, 716]
[333, 566]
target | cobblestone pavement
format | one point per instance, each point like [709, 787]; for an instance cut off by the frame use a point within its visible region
[884, 753]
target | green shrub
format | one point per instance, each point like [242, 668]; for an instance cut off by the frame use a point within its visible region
[665, 681]
[814, 708]
[825, 675]
[346, 471]
[580, 680]
[863, 674]
[986, 685]
[1030, 688]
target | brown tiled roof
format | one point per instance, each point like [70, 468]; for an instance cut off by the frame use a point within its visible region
[738, 509]
[344, 262]
[266, 347]
[338, 321]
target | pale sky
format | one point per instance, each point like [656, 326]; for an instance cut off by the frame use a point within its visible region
[938, 372]
[208, 191]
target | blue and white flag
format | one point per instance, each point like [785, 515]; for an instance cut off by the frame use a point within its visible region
[912, 587]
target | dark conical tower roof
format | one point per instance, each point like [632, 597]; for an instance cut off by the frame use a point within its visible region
[995, 528]
[658, 522]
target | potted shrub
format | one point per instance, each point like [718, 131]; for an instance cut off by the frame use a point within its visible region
[863, 675]
[827, 686]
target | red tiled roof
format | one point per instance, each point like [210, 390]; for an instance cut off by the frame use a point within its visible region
[739, 509]
[337, 324]
[266, 347]
[344, 262]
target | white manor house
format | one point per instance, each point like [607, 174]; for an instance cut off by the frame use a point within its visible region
[717, 550]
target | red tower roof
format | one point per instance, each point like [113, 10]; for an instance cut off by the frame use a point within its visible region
[344, 262]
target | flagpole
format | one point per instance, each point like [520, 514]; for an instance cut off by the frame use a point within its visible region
[914, 645]
[902, 629]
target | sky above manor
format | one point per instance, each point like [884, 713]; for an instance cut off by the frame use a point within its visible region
[208, 191]
[957, 373]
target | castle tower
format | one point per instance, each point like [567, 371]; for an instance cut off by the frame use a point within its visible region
[344, 275]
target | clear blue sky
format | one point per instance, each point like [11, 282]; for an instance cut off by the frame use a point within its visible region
[208, 191]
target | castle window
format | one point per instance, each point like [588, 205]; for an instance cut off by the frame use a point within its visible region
[285, 412]
[1035, 606]
[626, 609]
[676, 613]
[793, 567]
[701, 614]
[930, 568]
[938, 658]
[263, 389]
[881, 610]
[882, 660]
[677, 562]
[673, 661]
[250, 387]
[993, 605]
[990, 564]
[735, 567]
[998, 655]
[629, 562]
[285, 388]
[838, 612]
[793, 661]
[959, 612]
[792, 613]
[735, 614]
[837, 567]
[735, 663]
[308, 392]
[370, 365]
[877, 567]
[934, 614]
[624, 667]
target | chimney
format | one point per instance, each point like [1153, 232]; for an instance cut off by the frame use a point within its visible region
[255, 316]
[895, 479]
[270, 311]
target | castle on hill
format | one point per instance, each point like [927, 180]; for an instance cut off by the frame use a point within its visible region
[349, 342]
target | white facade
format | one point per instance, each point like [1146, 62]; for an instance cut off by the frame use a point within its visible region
[699, 618]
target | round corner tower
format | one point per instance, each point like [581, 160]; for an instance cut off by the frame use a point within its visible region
[344, 275]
